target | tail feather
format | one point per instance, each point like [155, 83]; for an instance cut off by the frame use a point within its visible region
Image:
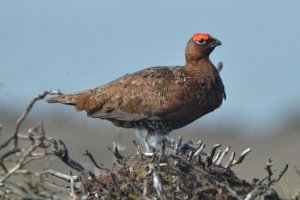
[69, 99]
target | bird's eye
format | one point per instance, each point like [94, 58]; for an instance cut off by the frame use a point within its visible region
[201, 41]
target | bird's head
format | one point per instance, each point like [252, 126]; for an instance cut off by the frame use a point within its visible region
[200, 46]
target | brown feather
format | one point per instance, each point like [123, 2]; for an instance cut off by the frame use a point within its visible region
[69, 99]
[157, 98]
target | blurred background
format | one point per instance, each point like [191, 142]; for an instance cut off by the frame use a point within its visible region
[75, 45]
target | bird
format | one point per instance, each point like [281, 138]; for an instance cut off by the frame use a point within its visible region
[159, 99]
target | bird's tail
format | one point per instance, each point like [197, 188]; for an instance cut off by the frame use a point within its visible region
[69, 99]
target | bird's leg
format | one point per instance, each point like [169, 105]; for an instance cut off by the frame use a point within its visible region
[143, 136]
[168, 141]
[146, 143]
[153, 139]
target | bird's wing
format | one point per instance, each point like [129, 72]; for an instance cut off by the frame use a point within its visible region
[150, 93]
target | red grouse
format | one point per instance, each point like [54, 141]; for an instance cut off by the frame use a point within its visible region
[158, 99]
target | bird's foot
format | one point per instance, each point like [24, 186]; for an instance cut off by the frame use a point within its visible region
[147, 146]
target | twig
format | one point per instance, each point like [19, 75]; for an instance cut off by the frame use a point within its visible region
[271, 181]
[20, 163]
[211, 155]
[199, 143]
[223, 155]
[242, 157]
[138, 149]
[157, 183]
[145, 191]
[269, 170]
[61, 176]
[199, 150]
[22, 117]
[115, 151]
[217, 156]
[91, 157]
[177, 145]
[210, 178]
[230, 190]
[7, 154]
[73, 195]
[63, 155]
[283, 171]
[230, 161]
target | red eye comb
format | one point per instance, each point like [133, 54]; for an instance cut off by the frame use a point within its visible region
[203, 36]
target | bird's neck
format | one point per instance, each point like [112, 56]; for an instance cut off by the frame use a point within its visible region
[202, 66]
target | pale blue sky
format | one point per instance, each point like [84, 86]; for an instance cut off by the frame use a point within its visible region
[75, 45]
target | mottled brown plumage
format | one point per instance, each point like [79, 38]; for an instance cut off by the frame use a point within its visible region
[158, 99]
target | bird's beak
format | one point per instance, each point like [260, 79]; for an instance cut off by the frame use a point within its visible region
[215, 43]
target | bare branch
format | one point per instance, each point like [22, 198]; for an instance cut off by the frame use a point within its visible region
[211, 155]
[223, 155]
[62, 153]
[87, 153]
[138, 149]
[217, 156]
[230, 161]
[283, 171]
[177, 145]
[158, 185]
[115, 152]
[62, 176]
[22, 117]
[7, 154]
[242, 157]
[20, 163]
